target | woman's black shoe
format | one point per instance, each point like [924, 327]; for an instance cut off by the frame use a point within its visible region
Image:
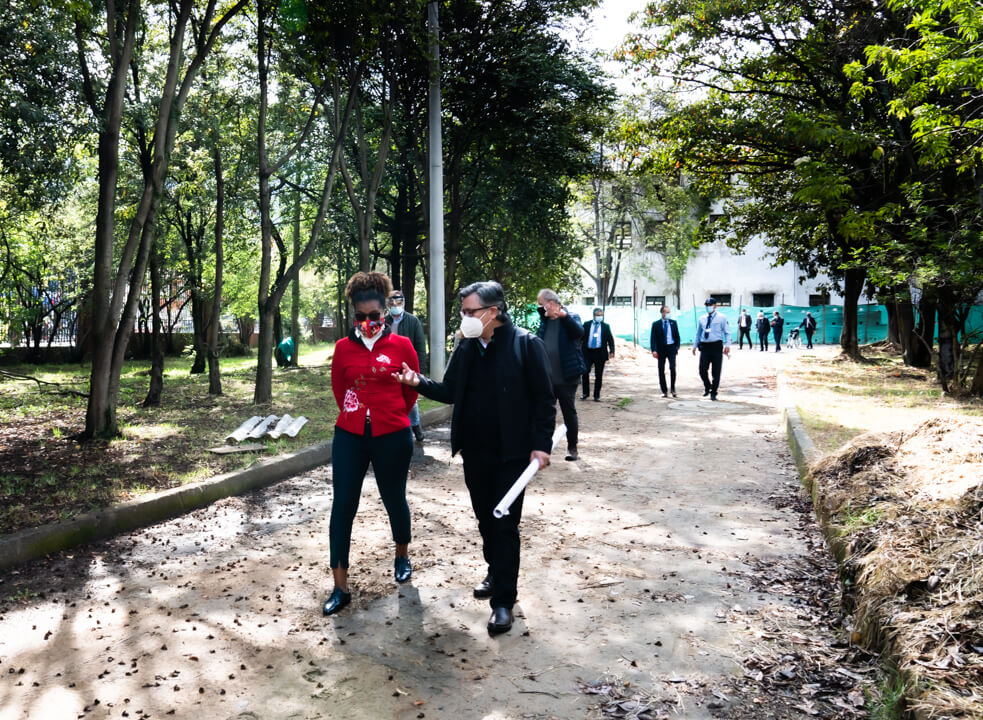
[403, 569]
[339, 600]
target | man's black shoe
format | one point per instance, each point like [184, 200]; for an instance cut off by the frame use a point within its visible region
[713, 396]
[705, 393]
[402, 569]
[674, 394]
[584, 396]
[484, 588]
[571, 454]
[500, 621]
[338, 601]
[665, 395]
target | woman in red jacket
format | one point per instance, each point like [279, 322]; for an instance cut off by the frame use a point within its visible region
[373, 427]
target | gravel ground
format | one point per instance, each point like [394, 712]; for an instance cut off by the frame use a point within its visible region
[674, 571]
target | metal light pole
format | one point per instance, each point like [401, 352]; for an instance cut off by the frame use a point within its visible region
[438, 321]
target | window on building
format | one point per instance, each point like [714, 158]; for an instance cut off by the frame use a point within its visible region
[621, 300]
[588, 299]
[723, 299]
[622, 235]
[762, 299]
[655, 301]
[817, 300]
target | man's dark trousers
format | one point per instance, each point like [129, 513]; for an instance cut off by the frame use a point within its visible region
[742, 331]
[596, 357]
[711, 355]
[763, 339]
[669, 355]
[809, 337]
[778, 339]
[488, 479]
[565, 393]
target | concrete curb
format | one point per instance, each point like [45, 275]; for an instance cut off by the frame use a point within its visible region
[803, 449]
[33, 543]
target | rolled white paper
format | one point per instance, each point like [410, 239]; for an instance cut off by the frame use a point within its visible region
[502, 509]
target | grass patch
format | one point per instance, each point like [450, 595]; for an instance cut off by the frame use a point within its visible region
[839, 399]
[624, 403]
[49, 476]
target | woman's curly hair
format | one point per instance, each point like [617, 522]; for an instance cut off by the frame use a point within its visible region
[368, 286]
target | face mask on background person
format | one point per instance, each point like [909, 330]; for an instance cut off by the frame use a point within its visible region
[396, 310]
[598, 318]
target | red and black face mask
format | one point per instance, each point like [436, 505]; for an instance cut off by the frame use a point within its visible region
[369, 325]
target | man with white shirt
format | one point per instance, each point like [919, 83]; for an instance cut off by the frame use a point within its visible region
[598, 346]
[664, 342]
[713, 342]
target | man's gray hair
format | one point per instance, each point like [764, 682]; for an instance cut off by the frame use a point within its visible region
[489, 292]
[548, 295]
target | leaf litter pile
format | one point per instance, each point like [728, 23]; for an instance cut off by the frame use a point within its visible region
[796, 658]
[904, 514]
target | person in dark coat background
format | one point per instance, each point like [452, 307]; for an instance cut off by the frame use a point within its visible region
[409, 326]
[809, 325]
[777, 326]
[744, 328]
[561, 330]
[664, 341]
[764, 330]
[598, 348]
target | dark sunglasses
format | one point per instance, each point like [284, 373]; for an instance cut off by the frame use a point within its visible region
[375, 315]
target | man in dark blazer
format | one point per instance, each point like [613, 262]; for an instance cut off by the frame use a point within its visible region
[665, 342]
[598, 346]
[764, 329]
[498, 379]
[809, 325]
[777, 327]
[744, 329]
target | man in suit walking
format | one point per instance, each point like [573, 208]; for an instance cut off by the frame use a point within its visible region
[598, 346]
[664, 342]
[713, 342]
[764, 329]
[809, 325]
[744, 328]
[777, 326]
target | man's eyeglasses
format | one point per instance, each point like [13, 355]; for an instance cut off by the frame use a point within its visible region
[470, 312]
[375, 316]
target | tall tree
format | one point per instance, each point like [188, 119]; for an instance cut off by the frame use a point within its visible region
[775, 128]
[116, 292]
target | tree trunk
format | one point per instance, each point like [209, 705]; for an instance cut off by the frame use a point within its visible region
[948, 363]
[268, 301]
[295, 332]
[114, 327]
[853, 284]
[100, 414]
[976, 388]
[893, 334]
[156, 388]
[198, 327]
[923, 336]
[215, 327]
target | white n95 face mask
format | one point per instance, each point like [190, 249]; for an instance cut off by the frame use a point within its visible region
[472, 327]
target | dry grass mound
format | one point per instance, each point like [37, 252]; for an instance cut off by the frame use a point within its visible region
[904, 514]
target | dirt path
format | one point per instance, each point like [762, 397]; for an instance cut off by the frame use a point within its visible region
[672, 572]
